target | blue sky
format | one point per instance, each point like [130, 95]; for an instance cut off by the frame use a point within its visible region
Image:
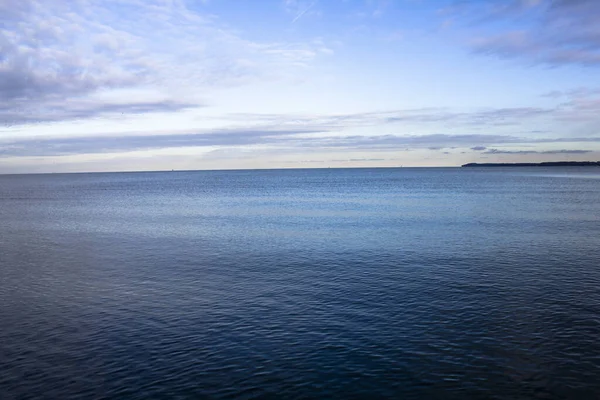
[90, 85]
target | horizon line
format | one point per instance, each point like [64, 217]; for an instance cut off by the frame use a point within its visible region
[217, 170]
[270, 169]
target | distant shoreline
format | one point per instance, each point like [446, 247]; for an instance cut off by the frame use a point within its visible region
[542, 164]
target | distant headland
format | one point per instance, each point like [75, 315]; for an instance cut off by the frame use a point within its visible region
[542, 164]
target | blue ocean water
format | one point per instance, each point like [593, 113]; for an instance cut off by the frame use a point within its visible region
[334, 283]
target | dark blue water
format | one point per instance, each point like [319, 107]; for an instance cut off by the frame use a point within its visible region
[357, 283]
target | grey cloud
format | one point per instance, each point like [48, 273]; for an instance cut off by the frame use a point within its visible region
[554, 94]
[566, 140]
[435, 141]
[46, 75]
[431, 142]
[356, 119]
[74, 110]
[23, 78]
[560, 32]
[506, 116]
[41, 57]
[116, 144]
[478, 148]
[583, 109]
[496, 151]
[387, 142]
[296, 139]
[576, 92]
[498, 116]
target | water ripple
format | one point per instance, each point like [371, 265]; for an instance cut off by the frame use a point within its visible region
[396, 284]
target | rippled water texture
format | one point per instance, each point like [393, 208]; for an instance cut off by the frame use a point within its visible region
[357, 283]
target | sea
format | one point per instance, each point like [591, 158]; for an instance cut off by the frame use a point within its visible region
[383, 283]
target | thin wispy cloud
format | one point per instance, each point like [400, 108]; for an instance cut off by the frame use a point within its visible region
[304, 11]
[66, 110]
[124, 143]
[583, 109]
[271, 137]
[562, 151]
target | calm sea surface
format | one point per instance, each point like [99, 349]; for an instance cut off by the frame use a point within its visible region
[353, 283]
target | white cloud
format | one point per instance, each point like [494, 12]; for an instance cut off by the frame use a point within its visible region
[64, 52]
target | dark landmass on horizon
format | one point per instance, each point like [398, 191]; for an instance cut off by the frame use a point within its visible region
[542, 164]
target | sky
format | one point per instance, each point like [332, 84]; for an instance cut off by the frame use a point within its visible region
[133, 85]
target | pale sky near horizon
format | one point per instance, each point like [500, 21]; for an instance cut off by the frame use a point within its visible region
[112, 85]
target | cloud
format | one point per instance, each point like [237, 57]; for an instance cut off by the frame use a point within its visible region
[583, 109]
[299, 8]
[42, 57]
[59, 54]
[573, 93]
[135, 142]
[431, 142]
[574, 109]
[551, 32]
[496, 151]
[498, 116]
[478, 148]
[56, 111]
[297, 140]
[396, 142]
